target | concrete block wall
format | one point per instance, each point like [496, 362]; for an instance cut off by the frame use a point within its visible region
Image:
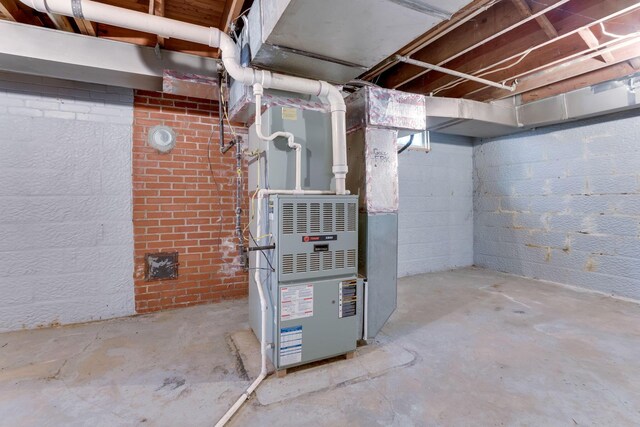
[436, 206]
[66, 241]
[563, 204]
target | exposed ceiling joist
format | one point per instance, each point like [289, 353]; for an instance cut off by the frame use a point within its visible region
[231, 11]
[542, 20]
[87, 28]
[10, 9]
[61, 22]
[464, 15]
[622, 52]
[522, 52]
[591, 78]
[491, 25]
[593, 43]
[156, 7]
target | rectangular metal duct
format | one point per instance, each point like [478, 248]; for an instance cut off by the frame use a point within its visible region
[337, 40]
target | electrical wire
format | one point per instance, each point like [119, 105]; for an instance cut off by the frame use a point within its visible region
[262, 252]
[226, 115]
[218, 189]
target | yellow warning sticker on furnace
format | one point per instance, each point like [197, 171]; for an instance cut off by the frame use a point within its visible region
[296, 302]
[289, 113]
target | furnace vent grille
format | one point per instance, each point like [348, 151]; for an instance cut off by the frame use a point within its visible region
[319, 237]
[315, 218]
[327, 260]
[339, 217]
[287, 218]
[340, 259]
[315, 261]
[327, 217]
[301, 263]
[351, 258]
[301, 220]
[351, 220]
[287, 264]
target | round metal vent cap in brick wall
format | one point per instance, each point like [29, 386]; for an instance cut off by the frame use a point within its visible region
[162, 138]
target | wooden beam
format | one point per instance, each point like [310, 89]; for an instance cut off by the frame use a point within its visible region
[514, 50]
[61, 22]
[612, 72]
[435, 33]
[493, 24]
[87, 28]
[156, 7]
[592, 42]
[568, 70]
[542, 20]
[635, 63]
[231, 11]
[10, 9]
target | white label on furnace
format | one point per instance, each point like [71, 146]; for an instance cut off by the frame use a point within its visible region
[296, 302]
[290, 345]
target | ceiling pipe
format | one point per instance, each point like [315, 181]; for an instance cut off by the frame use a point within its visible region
[488, 39]
[465, 76]
[541, 45]
[213, 37]
[408, 51]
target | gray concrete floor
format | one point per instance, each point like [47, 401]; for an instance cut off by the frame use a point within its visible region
[477, 348]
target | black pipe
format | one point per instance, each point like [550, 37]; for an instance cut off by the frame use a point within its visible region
[407, 145]
[262, 248]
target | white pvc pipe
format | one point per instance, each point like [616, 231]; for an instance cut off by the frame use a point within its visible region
[171, 28]
[465, 76]
[258, 92]
[263, 302]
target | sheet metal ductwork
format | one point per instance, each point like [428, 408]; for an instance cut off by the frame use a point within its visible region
[505, 117]
[337, 40]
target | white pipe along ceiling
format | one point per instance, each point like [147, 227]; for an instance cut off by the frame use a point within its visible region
[213, 37]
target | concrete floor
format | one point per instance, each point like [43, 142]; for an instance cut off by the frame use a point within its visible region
[467, 347]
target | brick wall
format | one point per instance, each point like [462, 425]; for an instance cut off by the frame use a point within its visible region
[563, 204]
[435, 221]
[179, 206]
[65, 202]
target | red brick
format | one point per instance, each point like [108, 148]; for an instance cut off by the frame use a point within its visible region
[177, 204]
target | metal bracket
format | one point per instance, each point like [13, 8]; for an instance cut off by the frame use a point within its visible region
[76, 9]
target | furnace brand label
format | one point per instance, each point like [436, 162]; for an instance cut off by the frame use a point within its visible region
[325, 238]
[296, 302]
[290, 345]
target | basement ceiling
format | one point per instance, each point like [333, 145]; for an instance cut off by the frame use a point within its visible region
[546, 47]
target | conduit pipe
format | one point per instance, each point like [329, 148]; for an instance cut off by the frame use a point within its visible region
[433, 67]
[213, 37]
[258, 92]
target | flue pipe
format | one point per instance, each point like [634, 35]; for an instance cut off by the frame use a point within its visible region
[213, 37]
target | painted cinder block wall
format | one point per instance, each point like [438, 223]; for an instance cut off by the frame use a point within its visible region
[184, 201]
[436, 206]
[65, 202]
[563, 204]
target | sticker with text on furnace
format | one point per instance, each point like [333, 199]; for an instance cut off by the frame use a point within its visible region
[296, 302]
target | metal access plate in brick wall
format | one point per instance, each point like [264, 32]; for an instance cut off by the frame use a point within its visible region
[161, 266]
